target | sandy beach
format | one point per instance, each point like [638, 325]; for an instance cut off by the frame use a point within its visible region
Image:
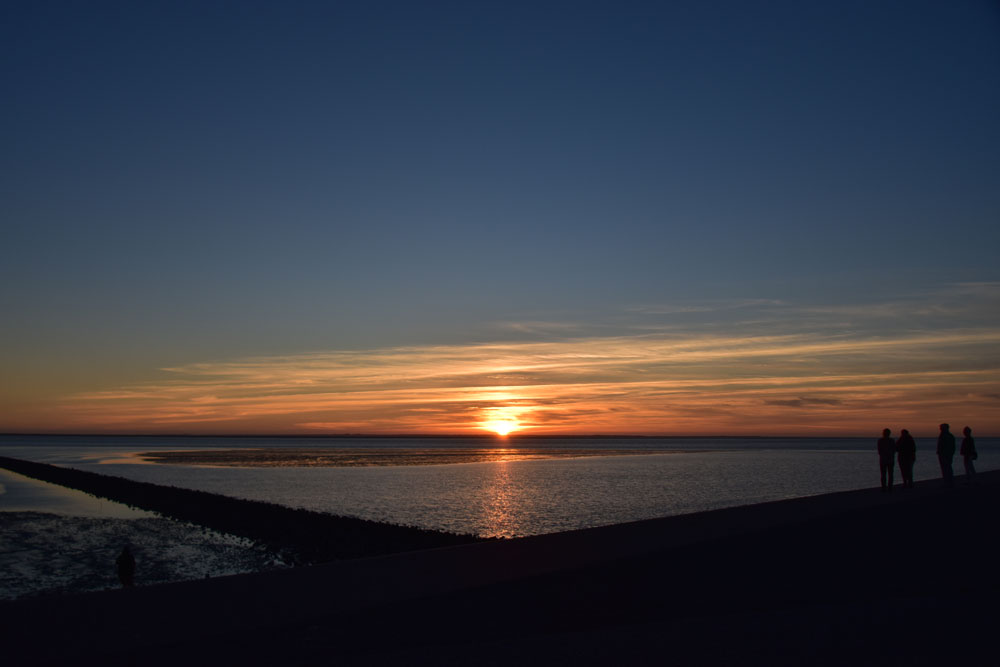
[859, 577]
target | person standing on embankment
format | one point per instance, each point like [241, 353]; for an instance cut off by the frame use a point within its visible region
[945, 454]
[886, 459]
[906, 448]
[969, 455]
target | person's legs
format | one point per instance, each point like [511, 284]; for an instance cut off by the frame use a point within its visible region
[947, 474]
[883, 472]
[970, 470]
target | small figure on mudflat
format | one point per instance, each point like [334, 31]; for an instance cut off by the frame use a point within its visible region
[126, 568]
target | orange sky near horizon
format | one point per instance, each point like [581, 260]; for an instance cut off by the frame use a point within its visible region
[650, 384]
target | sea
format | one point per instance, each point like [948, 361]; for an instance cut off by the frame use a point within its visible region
[508, 487]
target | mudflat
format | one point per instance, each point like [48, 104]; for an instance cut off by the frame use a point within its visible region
[348, 457]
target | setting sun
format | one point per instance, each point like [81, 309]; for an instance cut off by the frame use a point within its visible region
[501, 426]
[502, 420]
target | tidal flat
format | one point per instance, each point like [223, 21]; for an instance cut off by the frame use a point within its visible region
[51, 554]
[352, 457]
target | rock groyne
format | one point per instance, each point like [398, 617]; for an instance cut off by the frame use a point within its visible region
[302, 535]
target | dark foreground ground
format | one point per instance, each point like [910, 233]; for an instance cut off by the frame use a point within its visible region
[908, 578]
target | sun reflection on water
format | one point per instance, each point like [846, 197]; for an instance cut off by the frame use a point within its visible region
[499, 518]
[502, 455]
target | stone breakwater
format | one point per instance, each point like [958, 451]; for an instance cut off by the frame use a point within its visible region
[299, 535]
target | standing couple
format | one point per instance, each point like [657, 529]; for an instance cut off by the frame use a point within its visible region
[946, 452]
[888, 449]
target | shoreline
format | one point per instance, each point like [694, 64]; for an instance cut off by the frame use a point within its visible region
[625, 588]
[330, 457]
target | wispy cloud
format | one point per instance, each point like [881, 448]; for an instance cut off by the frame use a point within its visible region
[738, 366]
[939, 308]
[803, 402]
[642, 383]
[675, 308]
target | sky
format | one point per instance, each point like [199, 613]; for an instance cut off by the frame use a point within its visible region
[660, 218]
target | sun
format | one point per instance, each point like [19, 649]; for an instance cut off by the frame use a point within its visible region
[502, 427]
[502, 419]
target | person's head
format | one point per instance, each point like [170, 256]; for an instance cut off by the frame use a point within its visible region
[905, 432]
[886, 432]
[944, 428]
[967, 431]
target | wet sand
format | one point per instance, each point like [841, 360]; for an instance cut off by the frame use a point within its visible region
[43, 554]
[360, 457]
[859, 577]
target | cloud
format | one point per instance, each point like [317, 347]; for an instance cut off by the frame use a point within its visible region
[803, 402]
[642, 383]
[703, 307]
[737, 366]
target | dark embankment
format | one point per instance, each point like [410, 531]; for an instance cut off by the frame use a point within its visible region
[308, 537]
[852, 578]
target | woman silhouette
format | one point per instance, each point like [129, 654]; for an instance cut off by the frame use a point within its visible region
[969, 454]
[907, 454]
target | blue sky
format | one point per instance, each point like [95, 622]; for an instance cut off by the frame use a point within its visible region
[194, 183]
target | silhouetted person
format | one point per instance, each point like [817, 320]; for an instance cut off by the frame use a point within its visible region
[886, 458]
[945, 453]
[968, 452]
[126, 568]
[906, 449]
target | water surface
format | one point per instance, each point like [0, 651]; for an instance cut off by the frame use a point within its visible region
[518, 496]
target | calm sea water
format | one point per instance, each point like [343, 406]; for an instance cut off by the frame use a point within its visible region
[513, 498]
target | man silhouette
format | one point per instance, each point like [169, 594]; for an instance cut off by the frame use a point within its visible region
[907, 448]
[945, 453]
[886, 456]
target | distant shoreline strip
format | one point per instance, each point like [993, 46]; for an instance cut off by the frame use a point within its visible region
[357, 457]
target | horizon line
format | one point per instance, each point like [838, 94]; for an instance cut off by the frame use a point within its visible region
[446, 436]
